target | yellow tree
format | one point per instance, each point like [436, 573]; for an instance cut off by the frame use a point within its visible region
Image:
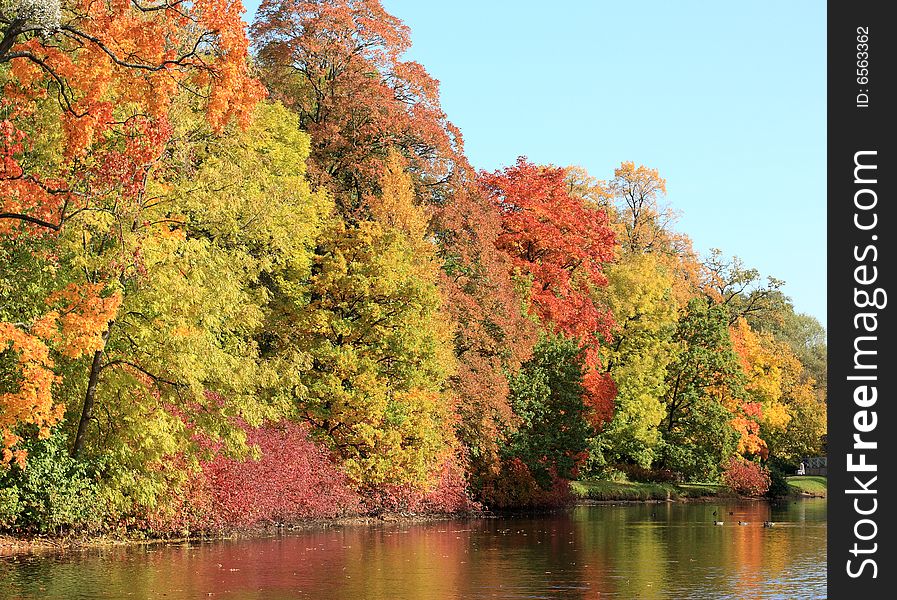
[791, 419]
[378, 345]
[640, 295]
[86, 91]
[218, 222]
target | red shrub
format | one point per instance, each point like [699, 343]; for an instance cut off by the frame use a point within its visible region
[746, 478]
[295, 478]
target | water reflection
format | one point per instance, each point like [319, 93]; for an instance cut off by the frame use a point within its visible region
[624, 551]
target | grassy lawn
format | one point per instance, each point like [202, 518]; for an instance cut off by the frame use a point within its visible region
[808, 484]
[614, 490]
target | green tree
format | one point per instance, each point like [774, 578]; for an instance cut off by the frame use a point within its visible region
[698, 435]
[547, 396]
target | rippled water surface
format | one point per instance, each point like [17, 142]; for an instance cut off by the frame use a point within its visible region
[624, 551]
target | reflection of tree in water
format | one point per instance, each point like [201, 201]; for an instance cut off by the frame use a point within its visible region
[645, 551]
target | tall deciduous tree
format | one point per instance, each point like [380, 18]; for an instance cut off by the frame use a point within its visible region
[729, 282]
[640, 295]
[560, 245]
[221, 218]
[338, 64]
[697, 429]
[547, 394]
[87, 88]
[377, 343]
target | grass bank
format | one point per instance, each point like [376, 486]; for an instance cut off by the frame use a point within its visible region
[808, 485]
[604, 491]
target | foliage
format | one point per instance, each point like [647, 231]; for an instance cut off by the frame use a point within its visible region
[26, 382]
[337, 64]
[806, 338]
[515, 486]
[221, 312]
[103, 69]
[549, 444]
[85, 115]
[182, 354]
[698, 434]
[644, 222]
[639, 294]
[556, 240]
[547, 397]
[805, 433]
[379, 344]
[559, 244]
[778, 483]
[448, 493]
[292, 478]
[493, 334]
[52, 493]
[746, 477]
[730, 283]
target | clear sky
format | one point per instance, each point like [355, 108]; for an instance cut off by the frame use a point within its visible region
[726, 99]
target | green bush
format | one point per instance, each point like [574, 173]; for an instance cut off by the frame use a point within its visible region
[778, 486]
[10, 507]
[54, 492]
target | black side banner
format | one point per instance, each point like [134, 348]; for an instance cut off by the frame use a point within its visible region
[862, 373]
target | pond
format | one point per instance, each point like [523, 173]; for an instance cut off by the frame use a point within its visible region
[670, 550]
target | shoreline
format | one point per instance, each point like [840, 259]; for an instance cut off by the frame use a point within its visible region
[11, 544]
[14, 544]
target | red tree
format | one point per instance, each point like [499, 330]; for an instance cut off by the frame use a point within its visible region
[560, 243]
[337, 63]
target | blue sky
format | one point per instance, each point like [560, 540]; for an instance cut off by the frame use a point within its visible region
[726, 99]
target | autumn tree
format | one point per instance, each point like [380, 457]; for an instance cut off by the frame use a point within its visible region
[644, 220]
[640, 295]
[802, 338]
[375, 342]
[87, 87]
[778, 383]
[338, 64]
[740, 289]
[559, 245]
[644, 224]
[220, 217]
[100, 66]
[803, 334]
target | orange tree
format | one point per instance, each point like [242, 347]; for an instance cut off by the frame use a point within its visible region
[559, 244]
[87, 88]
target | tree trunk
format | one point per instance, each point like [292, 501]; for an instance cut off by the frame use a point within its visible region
[90, 396]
